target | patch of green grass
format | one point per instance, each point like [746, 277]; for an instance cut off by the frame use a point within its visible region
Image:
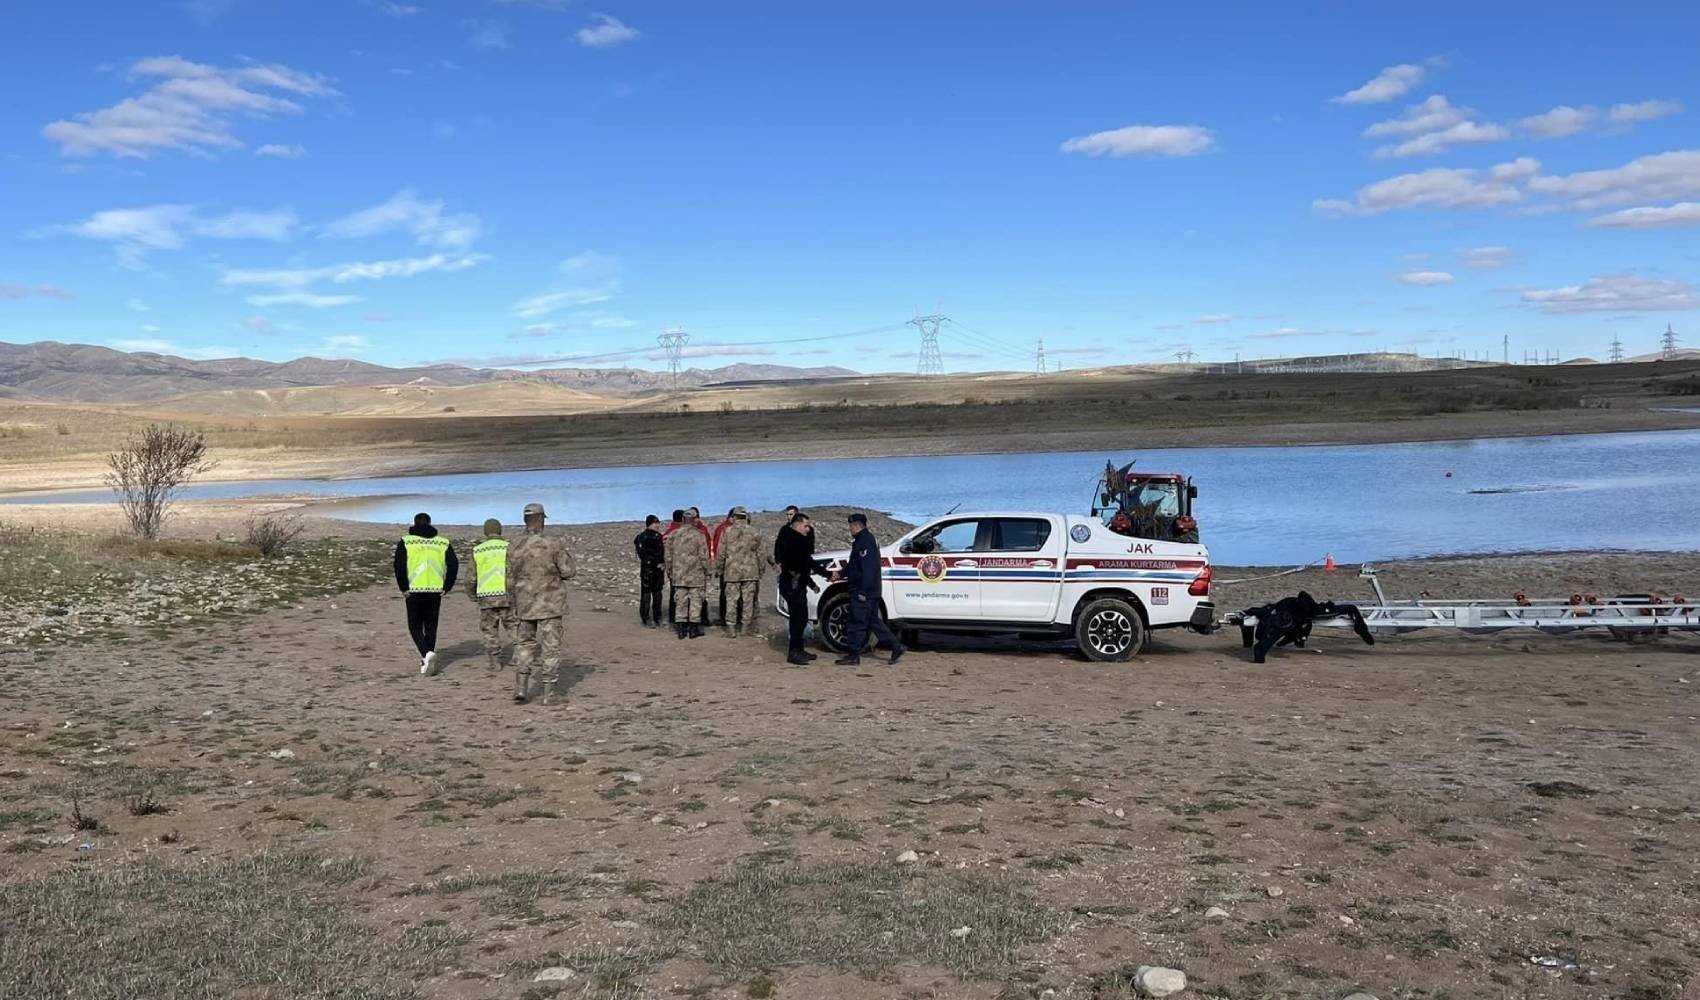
[859, 917]
[25, 817]
[516, 893]
[269, 925]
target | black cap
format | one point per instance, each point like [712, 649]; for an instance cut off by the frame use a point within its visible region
[651, 519]
[421, 519]
[859, 518]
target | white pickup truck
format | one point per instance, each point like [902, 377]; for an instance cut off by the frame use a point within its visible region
[1031, 574]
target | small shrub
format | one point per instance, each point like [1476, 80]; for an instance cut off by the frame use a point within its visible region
[274, 533]
[151, 469]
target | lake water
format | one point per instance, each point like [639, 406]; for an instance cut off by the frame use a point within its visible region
[1256, 506]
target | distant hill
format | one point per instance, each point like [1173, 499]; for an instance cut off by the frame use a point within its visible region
[51, 371]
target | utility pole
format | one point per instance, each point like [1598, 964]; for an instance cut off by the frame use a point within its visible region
[1668, 342]
[1506, 347]
[931, 361]
[1039, 358]
[1616, 350]
[673, 341]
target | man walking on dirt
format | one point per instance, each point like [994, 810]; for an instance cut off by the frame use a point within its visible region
[539, 566]
[652, 571]
[862, 573]
[738, 561]
[687, 571]
[490, 592]
[425, 567]
[794, 551]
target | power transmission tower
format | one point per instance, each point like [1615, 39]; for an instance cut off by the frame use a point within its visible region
[1184, 355]
[1505, 347]
[1616, 350]
[1039, 358]
[931, 361]
[1668, 342]
[673, 341]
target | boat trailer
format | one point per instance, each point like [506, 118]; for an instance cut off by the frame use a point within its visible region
[1630, 617]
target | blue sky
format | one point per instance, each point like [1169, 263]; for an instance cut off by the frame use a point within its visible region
[492, 181]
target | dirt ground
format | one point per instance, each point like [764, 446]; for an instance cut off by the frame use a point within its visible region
[1424, 818]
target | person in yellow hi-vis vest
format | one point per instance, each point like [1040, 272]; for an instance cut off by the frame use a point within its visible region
[425, 568]
[490, 591]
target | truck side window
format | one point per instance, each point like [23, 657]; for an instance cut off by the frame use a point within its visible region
[1021, 534]
[958, 537]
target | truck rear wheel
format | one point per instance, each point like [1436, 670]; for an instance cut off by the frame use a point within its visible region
[1109, 630]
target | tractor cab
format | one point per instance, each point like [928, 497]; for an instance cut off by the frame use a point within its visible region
[1153, 505]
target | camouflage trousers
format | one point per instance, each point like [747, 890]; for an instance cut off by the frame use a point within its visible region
[690, 604]
[491, 621]
[743, 608]
[532, 633]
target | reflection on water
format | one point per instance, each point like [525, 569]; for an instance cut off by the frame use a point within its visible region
[1256, 505]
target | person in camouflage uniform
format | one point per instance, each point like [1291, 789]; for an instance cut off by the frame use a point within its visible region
[539, 566]
[687, 571]
[492, 593]
[738, 559]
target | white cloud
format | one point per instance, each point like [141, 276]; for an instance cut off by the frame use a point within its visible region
[341, 274]
[587, 278]
[12, 290]
[1644, 111]
[1485, 258]
[1683, 213]
[282, 152]
[486, 34]
[1626, 293]
[1660, 177]
[137, 305]
[545, 4]
[1215, 318]
[1425, 279]
[1433, 126]
[312, 300]
[155, 345]
[149, 328]
[1559, 122]
[1438, 187]
[394, 9]
[1394, 81]
[256, 324]
[343, 344]
[426, 220]
[275, 226]
[1144, 140]
[604, 31]
[190, 109]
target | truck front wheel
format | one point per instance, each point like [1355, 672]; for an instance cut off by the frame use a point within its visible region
[834, 621]
[1109, 630]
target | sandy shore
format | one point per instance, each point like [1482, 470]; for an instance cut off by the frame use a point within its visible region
[422, 458]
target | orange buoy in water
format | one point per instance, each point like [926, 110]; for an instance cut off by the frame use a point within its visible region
[1328, 563]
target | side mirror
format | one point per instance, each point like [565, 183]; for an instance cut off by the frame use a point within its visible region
[907, 547]
[1191, 492]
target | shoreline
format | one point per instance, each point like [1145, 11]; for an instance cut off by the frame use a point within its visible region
[355, 464]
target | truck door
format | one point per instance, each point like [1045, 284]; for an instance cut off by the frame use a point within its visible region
[938, 579]
[1021, 573]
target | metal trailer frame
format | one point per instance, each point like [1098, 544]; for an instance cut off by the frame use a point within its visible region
[1637, 617]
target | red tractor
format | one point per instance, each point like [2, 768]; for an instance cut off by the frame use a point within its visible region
[1155, 505]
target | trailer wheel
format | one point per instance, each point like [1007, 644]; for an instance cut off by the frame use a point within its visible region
[1109, 630]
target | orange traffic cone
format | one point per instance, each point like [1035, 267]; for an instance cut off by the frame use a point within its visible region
[1328, 563]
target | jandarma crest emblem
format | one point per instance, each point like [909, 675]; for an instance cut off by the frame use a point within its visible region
[932, 569]
[1080, 533]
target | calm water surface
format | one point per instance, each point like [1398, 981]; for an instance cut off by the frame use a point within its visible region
[1261, 506]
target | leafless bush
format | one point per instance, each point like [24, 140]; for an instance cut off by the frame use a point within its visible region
[273, 533]
[149, 471]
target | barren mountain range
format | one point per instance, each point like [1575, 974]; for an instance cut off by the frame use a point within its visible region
[51, 371]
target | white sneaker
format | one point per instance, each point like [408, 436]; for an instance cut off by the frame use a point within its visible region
[428, 666]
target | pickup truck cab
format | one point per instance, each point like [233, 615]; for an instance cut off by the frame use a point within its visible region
[1031, 574]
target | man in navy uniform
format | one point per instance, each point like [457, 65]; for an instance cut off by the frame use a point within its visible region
[862, 573]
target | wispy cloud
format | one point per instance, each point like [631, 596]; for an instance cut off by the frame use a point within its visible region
[1434, 126]
[1485, 258]
[1683, 213]
[343, 345]
[281, 152]
[1439, 187]
[1144, 141]
[604, 32]
[137, 305]
[1559, 122]
[1643, 111]
[134, 232]
[583, 279]
[12, 290]
[429, 223]
[1424, 279]
[1390, 83]
[190, 109]
[1621, 293]
[340, 274]
[312, 300]
[1659, 177]
[392, 8]
[155, 345]
[489, 35]
[256, 324]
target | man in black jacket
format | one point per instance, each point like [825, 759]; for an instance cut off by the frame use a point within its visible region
[425, 569]
[652, 573]
[862, 573]
[794, 551]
